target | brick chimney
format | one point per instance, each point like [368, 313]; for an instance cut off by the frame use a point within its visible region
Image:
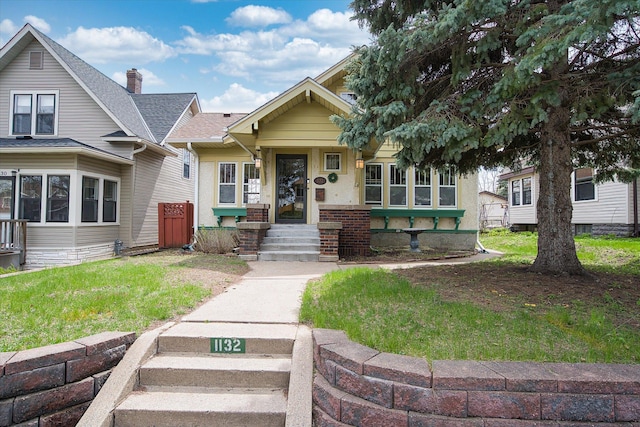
[134, 81]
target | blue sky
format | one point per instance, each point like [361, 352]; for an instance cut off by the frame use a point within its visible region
[235, 54]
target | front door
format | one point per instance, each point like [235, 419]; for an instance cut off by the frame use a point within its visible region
[291, 172]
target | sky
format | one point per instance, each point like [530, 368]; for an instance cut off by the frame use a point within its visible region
[236, 54]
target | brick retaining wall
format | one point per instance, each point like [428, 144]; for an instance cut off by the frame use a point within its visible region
[355, 235]
[355, 385]
[54, 385]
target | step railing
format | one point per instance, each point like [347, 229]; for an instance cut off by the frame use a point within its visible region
[13, 237]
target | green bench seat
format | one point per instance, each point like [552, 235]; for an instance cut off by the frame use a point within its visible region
[236, 213]
[412, 214]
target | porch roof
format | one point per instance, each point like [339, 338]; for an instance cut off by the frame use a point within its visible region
[57, 146]
[205, 130]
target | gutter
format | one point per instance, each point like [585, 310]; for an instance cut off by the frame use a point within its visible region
[196, 196]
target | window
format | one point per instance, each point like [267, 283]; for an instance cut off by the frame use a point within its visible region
[30, 197]
[90, 190]
[515, 193]
[584, 187]
[373, 184]
[397, 186]
[227, 184]
[250, 184]
[33, 113]
[109, 201]
[422, 188]
[447, 188]
[58, 198]
[526, 191]
[186, 163]
[332, 161]
[350, 97]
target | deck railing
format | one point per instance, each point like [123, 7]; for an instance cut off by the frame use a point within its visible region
[13, 237]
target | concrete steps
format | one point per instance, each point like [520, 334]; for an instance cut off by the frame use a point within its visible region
[189, 382]
[290, 242]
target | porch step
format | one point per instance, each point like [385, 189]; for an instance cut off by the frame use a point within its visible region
[186, 384]
[290, 242]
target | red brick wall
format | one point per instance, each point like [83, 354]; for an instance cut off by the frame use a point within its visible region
[355, 235]
[54, 385]
[358, 386]
[258, 212]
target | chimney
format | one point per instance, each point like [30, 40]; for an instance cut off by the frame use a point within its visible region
[134, 81]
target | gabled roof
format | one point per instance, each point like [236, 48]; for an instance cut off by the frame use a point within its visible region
[336, 72]
[58, 145]
[205, 127]
[145, 116]
[305, 91]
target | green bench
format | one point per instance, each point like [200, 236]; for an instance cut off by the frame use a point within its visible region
[412, 214]
[236, 213]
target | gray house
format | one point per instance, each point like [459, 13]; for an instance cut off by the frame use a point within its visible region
[82, 158]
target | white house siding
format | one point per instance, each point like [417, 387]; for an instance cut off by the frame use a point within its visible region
[79, 117]
[158, 179]
[610, 206]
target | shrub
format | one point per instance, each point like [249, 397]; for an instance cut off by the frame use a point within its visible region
[216, 241]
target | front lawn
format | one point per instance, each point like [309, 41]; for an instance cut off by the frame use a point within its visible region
[494, 310]
[129, 294]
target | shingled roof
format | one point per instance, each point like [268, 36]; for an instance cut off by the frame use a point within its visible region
[147, 116]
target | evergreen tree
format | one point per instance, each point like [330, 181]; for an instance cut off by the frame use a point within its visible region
[468, 83]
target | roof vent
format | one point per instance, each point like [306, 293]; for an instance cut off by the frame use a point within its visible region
[36, 59]
[226, 114]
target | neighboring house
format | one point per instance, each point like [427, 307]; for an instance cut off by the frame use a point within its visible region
[493, 210]
[598, 209]
[285, 155]
[83, 158]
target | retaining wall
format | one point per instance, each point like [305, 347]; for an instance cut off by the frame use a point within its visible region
[54, 385]
[355, 385]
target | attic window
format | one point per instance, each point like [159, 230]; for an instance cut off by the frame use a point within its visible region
[36, 60]
[350, 97]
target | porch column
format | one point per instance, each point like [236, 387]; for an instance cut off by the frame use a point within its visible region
[329, 240]
[251, 235]
[258, 212]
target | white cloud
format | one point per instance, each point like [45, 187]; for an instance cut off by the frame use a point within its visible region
[236, 99]
[258, 16]
[148, 78]
[8, 27]
[116, 44]
[39, 23]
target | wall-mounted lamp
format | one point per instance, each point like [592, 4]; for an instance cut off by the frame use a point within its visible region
[359, 161]
[257, 160]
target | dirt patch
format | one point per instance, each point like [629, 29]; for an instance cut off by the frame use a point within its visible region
[501, 286]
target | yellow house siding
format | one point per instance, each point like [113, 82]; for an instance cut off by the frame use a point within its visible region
[307, 124]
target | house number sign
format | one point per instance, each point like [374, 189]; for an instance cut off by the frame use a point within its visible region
[228, 345]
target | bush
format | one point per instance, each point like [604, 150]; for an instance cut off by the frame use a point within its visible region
[216, 241]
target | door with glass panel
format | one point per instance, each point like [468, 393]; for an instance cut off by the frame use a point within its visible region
[291, 173]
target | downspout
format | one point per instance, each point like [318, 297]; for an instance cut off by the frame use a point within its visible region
[196, 196]
[133, 190]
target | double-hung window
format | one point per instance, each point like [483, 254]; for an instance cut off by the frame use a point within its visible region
[422, 188]
[515, 192]
[30, 197]
[447, 192]
[227, 184]
[373, 184]
[186, 163]
[90, 190]
[58, 198]
[34, 113]
[522, 191]
[584, 186]
[109, 201]
[250, 184]
[397, 186]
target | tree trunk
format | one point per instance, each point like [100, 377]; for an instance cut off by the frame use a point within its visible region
[556, 245]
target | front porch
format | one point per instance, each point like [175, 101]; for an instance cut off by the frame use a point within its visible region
[13, 243]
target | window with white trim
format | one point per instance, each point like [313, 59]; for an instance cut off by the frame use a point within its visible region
[250, 183]
[397, 186]
[522, 191]
[34, 113]
[110, 201]
[90, 192]
[30, 203]
[186, 163]
[227, 183]
[447, 192]
[58, 198]
[350, 97]
[422, 188]
[373, 184]
[584, 188]
[332, 162]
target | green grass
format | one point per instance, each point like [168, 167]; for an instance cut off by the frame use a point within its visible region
[62, 304]
[379, 309]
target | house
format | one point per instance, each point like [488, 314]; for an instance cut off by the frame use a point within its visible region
[598, 209]
[82, 158]
[284, 157]
[493, 210]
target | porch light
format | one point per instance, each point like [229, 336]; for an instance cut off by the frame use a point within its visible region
[359, 161]
[258, 162]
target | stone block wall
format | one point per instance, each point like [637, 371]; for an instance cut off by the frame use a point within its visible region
[54, 385]
[358, 386]
[355, 235]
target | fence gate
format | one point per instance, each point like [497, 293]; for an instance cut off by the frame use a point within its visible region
[175, 224]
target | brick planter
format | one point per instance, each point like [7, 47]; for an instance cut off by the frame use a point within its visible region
[54, 385]
[358, 386]
[355, 236]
